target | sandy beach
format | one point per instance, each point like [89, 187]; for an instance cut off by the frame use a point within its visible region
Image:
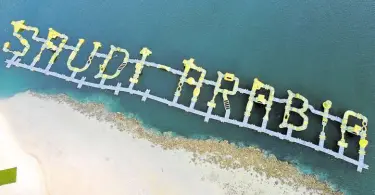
[64, 147]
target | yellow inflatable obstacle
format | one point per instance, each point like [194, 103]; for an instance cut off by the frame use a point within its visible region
[97, 45]
[19, 26]
[190, 65]
[103, 66]
[225, 92]
[164, 67]
[362, 145]
[145, 52]
[356, 130]
[326, 105]
[257, 85]
[48, 44]
[300, 111]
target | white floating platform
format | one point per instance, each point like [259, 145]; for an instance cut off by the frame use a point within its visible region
[207, 115]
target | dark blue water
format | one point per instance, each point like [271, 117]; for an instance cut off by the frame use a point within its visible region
[321, 49]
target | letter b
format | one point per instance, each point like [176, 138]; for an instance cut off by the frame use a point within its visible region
[300, 111]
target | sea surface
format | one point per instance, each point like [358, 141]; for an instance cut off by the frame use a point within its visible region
[320, 49]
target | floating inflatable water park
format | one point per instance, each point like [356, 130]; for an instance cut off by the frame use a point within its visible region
[254, 95]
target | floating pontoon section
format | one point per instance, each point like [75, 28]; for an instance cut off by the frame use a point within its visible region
[190, 65]
[19, 26]
[97, 45]
[257, 85]
[211, 104]
[103, 66]
[300, 111]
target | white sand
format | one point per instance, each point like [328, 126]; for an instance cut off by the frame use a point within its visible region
[59, 151]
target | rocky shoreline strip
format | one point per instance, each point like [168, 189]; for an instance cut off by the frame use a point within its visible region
[227, 156]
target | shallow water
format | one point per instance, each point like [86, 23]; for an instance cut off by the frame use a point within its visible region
[321, 49]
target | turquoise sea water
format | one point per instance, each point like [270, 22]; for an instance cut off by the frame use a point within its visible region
[321, 49]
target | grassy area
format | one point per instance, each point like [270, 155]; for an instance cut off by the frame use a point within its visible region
[8, 176]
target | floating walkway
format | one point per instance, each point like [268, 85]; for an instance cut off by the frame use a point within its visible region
[207, 115]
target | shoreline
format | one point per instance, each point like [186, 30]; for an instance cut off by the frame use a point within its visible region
[218, 158]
